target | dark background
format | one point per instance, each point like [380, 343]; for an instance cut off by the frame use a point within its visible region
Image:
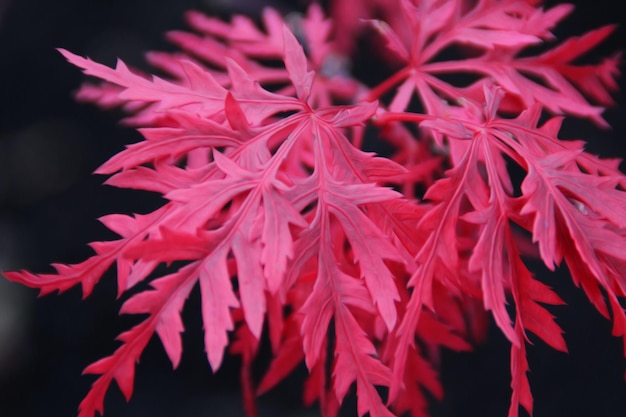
[49, 145]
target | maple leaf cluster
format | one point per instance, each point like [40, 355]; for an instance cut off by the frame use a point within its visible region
[361, 266]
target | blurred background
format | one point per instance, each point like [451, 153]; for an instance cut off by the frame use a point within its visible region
[49, 202]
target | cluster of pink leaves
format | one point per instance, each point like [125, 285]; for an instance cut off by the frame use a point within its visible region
[288, 226]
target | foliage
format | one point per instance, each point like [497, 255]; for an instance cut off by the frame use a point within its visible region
[292, 230]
